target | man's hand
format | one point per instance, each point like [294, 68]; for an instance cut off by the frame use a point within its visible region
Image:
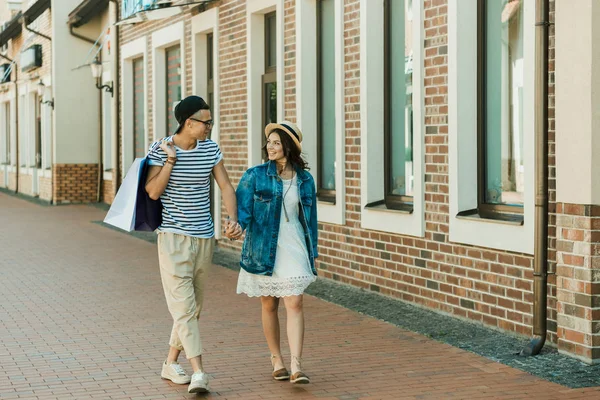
[233, 230]
[169, 148]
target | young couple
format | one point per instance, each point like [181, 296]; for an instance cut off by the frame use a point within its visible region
[275, 205]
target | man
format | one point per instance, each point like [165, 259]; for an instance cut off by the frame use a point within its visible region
[179, 175]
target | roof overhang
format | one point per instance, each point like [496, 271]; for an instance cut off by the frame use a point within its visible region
[12, 29]
[36, 9]
[163, 9]
[85, 11]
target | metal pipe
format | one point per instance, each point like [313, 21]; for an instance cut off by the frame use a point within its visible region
[36, 32]
[100, 169]
[540, 261]
[17, 169]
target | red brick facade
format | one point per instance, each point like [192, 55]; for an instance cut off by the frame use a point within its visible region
[75, 183]
[490, 286]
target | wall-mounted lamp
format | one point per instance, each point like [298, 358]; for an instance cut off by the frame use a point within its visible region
[96, 67]
[41, 91]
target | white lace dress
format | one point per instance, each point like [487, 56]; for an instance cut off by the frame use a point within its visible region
[292, 273]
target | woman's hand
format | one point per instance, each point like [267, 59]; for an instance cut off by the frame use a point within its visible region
[233, 230]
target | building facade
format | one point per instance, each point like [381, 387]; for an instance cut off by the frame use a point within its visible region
[446, 177]
[58, 140]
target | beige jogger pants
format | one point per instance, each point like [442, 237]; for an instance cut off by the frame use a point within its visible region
[184, 264]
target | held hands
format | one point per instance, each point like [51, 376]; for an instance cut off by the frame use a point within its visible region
[233, 230]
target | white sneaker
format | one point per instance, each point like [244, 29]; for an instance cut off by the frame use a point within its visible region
[199, 383]
[175, 373]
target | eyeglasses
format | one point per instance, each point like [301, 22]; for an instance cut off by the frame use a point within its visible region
[208, 123]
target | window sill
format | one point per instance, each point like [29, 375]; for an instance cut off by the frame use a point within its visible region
[326, 198]
[381, 206]
[495, 218]
[326, 201]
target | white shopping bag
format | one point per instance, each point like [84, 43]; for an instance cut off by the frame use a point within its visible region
[122, 211]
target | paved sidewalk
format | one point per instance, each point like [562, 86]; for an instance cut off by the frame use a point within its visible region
[82, 315]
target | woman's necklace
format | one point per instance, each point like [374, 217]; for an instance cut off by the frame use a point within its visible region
[287, 218]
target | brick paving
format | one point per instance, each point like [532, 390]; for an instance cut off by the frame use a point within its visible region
[82, 316]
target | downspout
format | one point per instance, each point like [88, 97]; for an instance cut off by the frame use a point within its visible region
[540, 255]
[36, 32]
[100, 169]
[117, 111]
[16, 122]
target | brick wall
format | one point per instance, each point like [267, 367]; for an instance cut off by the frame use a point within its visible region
[12, 181]
[289, 60]
[74, 183]
[490, 286]
[578, 279]
[46, 189]
[25, 184]
[108, 192]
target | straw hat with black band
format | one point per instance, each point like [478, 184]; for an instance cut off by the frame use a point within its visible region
[288, 127]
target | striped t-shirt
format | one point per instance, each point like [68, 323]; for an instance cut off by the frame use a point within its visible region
[186, 199]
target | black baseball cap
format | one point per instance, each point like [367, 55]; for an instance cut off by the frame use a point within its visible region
[188, 107]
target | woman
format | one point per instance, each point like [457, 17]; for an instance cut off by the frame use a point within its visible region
[277, 207]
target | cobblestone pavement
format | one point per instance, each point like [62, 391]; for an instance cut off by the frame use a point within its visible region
[82, 315]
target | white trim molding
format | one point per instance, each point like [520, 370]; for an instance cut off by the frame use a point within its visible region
[462, 134]
[161, 40]
[130, 52]
[306, 103]
[372, 123]
[255, 53]
[203, 24]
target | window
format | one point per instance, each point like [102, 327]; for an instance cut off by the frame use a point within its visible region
[210, 70]
[37, 131]
[6, 133]
[398, 105]
[500, 78]
[23, 142]
[269, 78]
[130, 7]
[139, 128]
[326, 121]
[506, 226]
[107, 130]
[173, 68]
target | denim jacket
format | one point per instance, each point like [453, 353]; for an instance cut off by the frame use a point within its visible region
[259, 200]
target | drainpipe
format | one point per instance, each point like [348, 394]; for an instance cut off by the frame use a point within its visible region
[14, 67]
[35, 32]
[540, 255]
[100, 169]
[116, 109]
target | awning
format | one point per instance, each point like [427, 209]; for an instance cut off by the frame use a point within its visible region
[162, 9]
[36, 10]
[11, 30]
[85, 11]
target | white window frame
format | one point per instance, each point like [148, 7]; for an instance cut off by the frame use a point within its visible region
[255, 53]
[204, 24]
[306, 101]
[462, 134]
[11, 98]
[372, 123]
[46, 114]
[161, 40]
[4, 152]
[23, 132]
[129, 52]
